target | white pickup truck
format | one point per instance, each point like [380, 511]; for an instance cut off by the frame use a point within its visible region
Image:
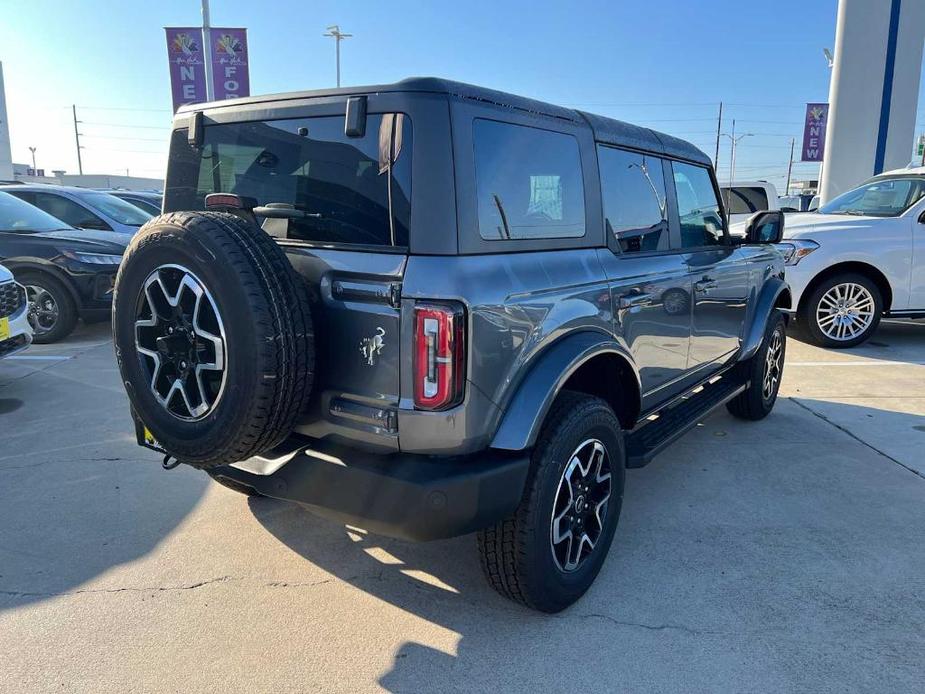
[745, 198]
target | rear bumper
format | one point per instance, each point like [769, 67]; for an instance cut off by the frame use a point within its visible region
[407, 496]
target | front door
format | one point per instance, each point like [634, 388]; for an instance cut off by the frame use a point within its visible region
[717, 271]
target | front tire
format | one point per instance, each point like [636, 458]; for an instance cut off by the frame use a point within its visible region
[52, 310]
[550, 550]
[764, 371]
[843, 311]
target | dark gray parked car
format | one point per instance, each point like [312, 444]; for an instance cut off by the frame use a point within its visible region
[429, 309]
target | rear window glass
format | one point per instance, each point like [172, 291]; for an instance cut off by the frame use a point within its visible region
[745, 200]
[528, 182]
[347, 185]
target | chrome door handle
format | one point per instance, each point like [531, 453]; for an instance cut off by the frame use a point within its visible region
[635, 299]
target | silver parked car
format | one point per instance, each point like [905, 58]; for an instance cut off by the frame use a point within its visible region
[83, 208]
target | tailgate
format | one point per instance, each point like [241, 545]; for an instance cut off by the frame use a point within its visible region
[355, 299]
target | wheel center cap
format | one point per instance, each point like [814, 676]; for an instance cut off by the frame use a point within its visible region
[580, 503]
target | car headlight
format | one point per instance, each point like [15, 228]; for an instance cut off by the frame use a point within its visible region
[93, 258]
[794, 251]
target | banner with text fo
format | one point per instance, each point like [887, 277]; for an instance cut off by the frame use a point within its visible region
[187, 65]
[230, 76]
[817, 118]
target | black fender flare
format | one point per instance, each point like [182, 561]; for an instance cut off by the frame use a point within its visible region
[767, 301]
[524, 415]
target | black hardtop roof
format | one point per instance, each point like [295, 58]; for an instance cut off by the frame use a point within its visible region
[607, 130]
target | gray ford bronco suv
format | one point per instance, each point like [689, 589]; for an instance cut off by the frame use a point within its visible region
[429, 309]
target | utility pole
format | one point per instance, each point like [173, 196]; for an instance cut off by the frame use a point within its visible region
[719, 129]
[80, 166]
[793, 141]
[32, 149]
[338, 36]
[207, 50]
[922, 144]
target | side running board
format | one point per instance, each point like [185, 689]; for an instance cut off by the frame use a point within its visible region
[652, 436]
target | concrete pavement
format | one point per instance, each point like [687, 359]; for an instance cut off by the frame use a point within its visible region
[785, 555]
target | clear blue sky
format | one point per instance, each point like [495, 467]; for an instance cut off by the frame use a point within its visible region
[662, 63]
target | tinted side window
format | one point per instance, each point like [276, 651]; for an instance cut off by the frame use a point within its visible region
[635, 205]
[698, 209]
[528, 182]
[69, 211]
[745, 200]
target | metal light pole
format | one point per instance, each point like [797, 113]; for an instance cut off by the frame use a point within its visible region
[32, 149]
[732, 164]
[338, 36]
[735, 143]
[207, 50]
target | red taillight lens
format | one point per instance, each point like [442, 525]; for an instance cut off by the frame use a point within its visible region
[439, 356]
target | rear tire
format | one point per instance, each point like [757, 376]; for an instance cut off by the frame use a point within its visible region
[520, 556]
[763, 370]
[63, 304]
[213, 337]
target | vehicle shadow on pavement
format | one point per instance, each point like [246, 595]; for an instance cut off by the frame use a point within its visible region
[744, 555]
[77, 495]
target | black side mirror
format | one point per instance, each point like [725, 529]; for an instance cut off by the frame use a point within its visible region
[765, 227]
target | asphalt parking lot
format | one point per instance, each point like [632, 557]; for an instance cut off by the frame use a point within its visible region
[785, 555]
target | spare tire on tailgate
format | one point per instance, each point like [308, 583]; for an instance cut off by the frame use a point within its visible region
[213, 336]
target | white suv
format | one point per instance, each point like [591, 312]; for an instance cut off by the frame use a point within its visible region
[860, 257]
[15, 331]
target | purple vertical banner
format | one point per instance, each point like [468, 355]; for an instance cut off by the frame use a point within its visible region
[230, 76]
[187, 65]
[817, 118]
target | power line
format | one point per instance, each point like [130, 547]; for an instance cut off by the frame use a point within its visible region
[124, 108]
[120, 137]
[127, 125]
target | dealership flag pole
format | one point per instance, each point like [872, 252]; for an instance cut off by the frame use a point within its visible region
[207, 50]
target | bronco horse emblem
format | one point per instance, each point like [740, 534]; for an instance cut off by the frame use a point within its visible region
[371, 347]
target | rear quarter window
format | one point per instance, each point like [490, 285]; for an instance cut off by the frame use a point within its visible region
[528, 182]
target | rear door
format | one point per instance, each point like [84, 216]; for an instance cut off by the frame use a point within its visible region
[649, 281]
[348, 238]
[717, 269]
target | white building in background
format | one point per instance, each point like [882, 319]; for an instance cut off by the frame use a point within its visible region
[21, 173]
[874, 91]
[6, 154]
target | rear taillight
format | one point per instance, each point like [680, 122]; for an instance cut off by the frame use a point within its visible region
[439, 356]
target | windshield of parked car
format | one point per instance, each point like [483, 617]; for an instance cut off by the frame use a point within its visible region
[17, 215]
[884, 197]
[114, 208]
